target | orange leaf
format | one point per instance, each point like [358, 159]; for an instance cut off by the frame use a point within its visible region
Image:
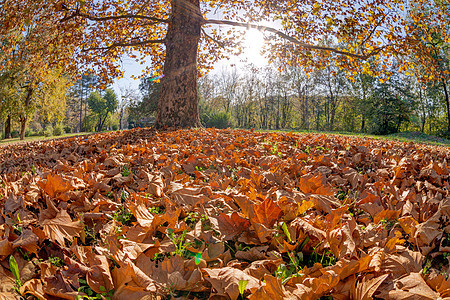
[267, 213]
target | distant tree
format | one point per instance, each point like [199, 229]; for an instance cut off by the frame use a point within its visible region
[390, 105]
[102, 107]
[145, 107]
[127, 96]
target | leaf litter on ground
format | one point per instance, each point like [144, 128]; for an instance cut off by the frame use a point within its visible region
[194, 214]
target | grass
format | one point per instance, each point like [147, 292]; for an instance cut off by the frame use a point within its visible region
[406, 136]
[39, 138]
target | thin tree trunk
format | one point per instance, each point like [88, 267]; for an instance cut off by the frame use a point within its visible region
[448, 105]
[178, 101]
[85, 114]
[81, 106]
[23, 119]
[121, 118]
[23, 124]
[8, 127]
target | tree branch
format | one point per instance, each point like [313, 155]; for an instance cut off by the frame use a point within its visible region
[125, 44]
[373, 30]
[213, 39]
[294, 40]
[78, 13]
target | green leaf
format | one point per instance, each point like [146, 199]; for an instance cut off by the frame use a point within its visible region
[286, 231]
[101, 288]
[242, 285]
[15, 270]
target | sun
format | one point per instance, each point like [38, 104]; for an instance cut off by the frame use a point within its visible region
[253, 45]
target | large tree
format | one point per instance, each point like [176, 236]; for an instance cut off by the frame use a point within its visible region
[34, 59]
[183, 38]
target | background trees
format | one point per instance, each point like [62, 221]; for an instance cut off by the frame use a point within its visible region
[102, 106]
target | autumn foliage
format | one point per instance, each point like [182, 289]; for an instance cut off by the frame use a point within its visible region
[144, 214]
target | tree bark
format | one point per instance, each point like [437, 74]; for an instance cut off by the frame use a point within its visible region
[178, 101]
[8, 127]
[448, 105]
[23, 124]
[24, 118]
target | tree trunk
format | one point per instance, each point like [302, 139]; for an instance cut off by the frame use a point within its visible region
[178, 101]
[8, 127]
[81, 106]
[448, 105]
[363, 123]
[23, 119]
[121, 119]
[23, 124]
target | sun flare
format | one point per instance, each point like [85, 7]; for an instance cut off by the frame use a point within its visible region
[253, 44]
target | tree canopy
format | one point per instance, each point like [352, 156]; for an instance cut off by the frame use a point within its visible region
[182, 38]
[102, 106]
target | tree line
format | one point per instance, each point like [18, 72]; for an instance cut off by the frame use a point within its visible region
[324, 99]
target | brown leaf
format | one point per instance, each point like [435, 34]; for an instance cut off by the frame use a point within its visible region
[267, 213]
[6, 247]
[365, 289]
[99, 278]
[33, 287]
[28, 241]
[232, 225]
[142, 214]
[273, 289]
[55, 184]
[225, 281]
[410, 286]
[61, 227]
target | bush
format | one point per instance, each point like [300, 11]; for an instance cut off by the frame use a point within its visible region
[67, 129]
[220, 120]
[29, 132]
[444, 134]
[115, 127]
[48, 131]
[58, 130]
[14, 134]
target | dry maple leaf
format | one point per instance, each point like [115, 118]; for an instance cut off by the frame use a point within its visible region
[266, 213]
[225, 281]
[411, 286]
[232, 225]
[366, 288]
[61, 227]
[99, 276]
[55, 184]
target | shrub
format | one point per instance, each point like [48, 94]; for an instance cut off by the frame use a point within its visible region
[48, 131]
[58, 130]
[67, 129]
[220, 120]
[14, 134]
[29, 132]
[115, 127]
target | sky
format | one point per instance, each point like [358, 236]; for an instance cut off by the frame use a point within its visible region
[253, 43]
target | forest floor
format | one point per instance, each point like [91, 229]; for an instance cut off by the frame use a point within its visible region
[190, 214]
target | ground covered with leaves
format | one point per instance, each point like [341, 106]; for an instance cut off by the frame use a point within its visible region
[226, 214]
